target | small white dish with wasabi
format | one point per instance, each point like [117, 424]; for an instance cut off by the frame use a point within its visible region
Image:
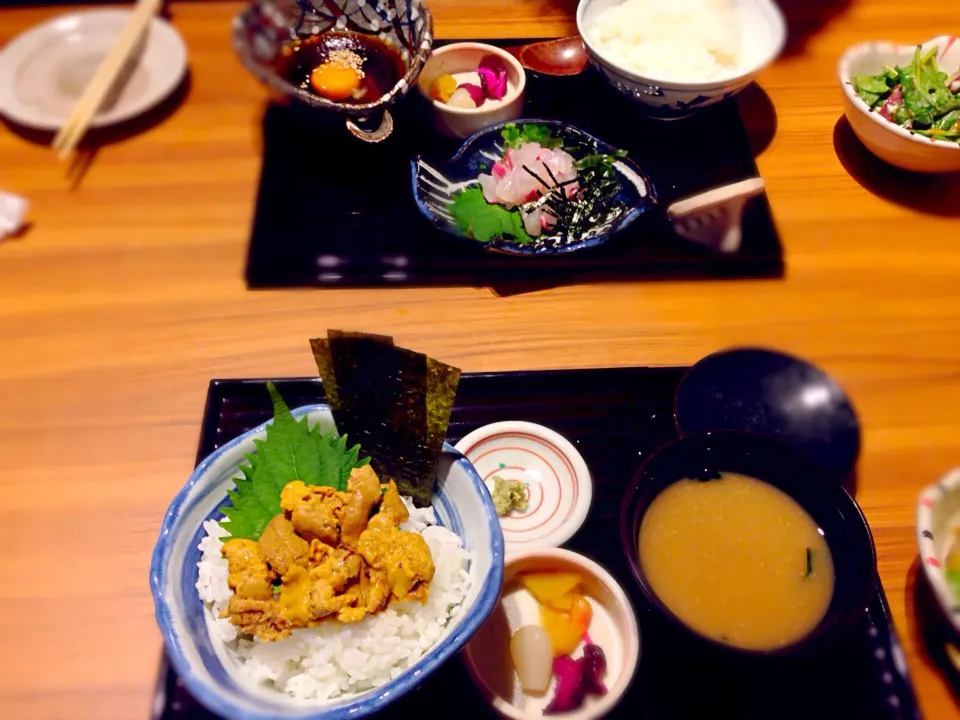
[540, 484]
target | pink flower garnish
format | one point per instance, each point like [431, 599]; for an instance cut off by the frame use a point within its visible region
[476, 92]
[493, 77]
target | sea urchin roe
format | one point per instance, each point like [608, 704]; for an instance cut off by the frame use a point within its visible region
[339, 77]
[290, 579]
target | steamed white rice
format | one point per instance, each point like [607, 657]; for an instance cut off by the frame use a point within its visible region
[680, 40]
[332, 659]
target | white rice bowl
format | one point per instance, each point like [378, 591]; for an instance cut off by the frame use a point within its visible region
[679, 40]
[332, 660]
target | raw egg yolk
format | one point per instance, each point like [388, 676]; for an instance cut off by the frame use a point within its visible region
[334, 81]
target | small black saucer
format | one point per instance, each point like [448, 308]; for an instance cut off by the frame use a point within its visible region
[776, 395]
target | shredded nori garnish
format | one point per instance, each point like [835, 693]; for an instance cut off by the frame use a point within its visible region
[596, 200]
[395, 402]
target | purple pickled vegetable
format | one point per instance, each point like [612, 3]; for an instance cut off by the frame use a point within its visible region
[569, 694]
[493, 77]
[476, 92]
[594, 666]
[891, 104]
[577, 678]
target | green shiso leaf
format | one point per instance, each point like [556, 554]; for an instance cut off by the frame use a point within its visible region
[292, 451]
[485, 221]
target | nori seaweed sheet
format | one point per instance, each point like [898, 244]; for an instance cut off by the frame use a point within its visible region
[395, 402]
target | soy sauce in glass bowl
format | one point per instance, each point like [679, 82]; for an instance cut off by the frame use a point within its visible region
[267, 30]
[378, 64]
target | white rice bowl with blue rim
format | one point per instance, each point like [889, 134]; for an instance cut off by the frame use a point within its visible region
[332, 670]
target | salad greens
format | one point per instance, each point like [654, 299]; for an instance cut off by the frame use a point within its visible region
[919, 97]
[292, 451]
[485, 221]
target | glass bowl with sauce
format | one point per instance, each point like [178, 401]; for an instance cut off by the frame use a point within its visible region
[349, 57]
[738, 543]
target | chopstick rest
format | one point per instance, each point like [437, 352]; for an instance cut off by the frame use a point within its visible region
[714, 218]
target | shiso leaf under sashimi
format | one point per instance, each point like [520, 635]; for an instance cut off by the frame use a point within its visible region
[484, 221]
[292, 451]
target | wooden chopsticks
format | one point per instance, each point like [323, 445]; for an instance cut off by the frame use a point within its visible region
[104, 78]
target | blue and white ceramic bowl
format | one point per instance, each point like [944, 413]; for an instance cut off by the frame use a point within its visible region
[763, 34]
[435, 184]
[205, 665]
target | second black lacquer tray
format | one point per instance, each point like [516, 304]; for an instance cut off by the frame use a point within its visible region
[615, 418]
[336, 212]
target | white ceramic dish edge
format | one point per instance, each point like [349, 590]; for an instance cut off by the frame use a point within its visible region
[885, 139]
[937, 505]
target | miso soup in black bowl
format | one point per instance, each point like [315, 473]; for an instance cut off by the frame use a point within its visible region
[738, 542]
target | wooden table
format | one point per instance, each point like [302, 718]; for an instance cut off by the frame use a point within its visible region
[126, 296]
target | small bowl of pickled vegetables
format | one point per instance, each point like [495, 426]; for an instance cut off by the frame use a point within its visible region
[563, 639]
[472, 86]
[903, 102]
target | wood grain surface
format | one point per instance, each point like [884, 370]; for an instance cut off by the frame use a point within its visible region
[125, 296]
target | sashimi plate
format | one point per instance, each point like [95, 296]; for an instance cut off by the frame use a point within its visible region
[613, 201]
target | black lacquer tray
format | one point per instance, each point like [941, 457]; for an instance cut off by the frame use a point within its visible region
[615, 418]
[335, 212]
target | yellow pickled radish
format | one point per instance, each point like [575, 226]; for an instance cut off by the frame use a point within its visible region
[532, 657]
[549, 587]
[581, 613]
[564, 602]
[566, 629]
[444, 87]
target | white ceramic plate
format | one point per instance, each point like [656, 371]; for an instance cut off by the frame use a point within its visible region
[559, 488]
[938, 521]
[45, 70]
